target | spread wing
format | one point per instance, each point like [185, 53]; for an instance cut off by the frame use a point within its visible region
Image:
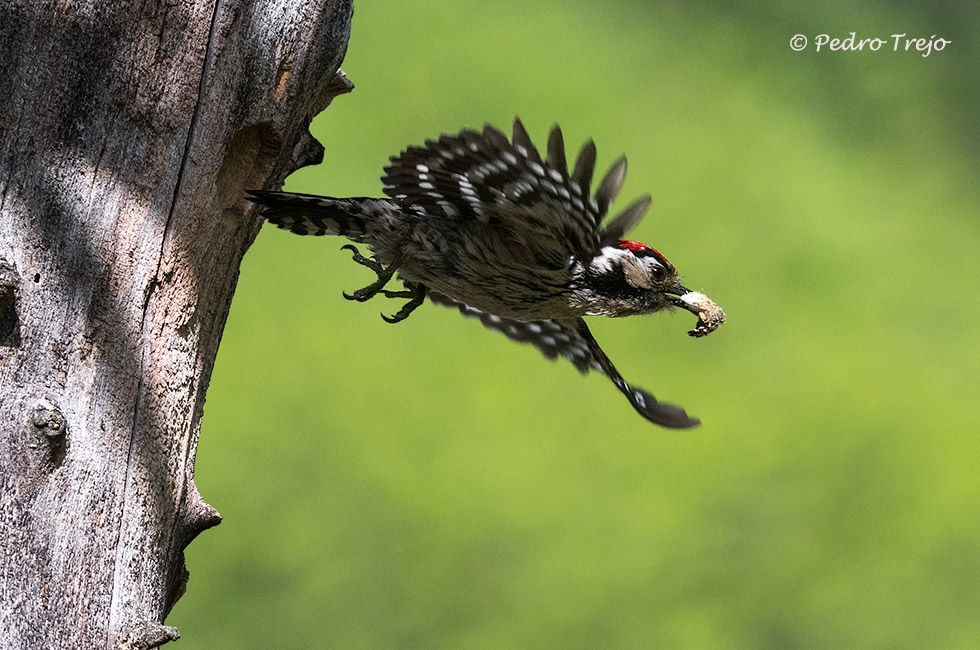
[572, 340]
[486, 177]
[554, 338]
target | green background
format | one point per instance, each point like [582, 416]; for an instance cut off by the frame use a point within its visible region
[433, 485]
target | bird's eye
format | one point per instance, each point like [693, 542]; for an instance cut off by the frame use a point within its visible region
[658, 273]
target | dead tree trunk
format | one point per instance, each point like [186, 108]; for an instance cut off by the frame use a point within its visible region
[129, 133]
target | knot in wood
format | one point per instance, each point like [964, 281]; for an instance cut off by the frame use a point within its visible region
[49, 419]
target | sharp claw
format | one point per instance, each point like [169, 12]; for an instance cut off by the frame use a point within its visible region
[384, 275]
[372, 264]
[402, 314]
[415, 292]
[362, 295]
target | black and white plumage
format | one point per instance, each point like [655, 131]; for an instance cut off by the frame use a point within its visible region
[484, 224]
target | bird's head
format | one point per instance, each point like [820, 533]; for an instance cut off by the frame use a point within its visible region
[629, 278]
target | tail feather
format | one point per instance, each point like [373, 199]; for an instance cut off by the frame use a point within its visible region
[306, 214]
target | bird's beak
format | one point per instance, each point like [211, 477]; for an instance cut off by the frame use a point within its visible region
[677, 300]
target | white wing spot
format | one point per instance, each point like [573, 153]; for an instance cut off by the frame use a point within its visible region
[465, 185]
[518, 189]
[486, 168]
[448, 208]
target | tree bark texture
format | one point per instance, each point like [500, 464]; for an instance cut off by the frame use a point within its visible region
[129, 134]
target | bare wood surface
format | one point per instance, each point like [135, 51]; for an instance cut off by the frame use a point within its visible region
[130, 132]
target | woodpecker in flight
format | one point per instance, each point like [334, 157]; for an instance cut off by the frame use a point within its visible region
[484, 224]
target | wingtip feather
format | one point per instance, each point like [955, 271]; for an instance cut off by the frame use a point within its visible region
[585, 167]
[556, 152]
[610, 185]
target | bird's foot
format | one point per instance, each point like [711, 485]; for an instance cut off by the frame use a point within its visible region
[384, 275]
[414, 291]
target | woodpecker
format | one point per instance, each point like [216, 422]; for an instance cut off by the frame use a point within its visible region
[483, 224]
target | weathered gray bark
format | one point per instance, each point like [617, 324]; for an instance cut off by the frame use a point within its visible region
[129, 133]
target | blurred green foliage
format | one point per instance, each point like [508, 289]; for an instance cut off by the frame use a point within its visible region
[432, 485]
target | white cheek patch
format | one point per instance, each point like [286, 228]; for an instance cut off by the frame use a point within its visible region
[607, 258]
[634, 270]
[636, 273]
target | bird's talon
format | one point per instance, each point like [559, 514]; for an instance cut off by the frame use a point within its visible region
[362, 295]
[384, 275]
[414, 291]
[372, 264]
